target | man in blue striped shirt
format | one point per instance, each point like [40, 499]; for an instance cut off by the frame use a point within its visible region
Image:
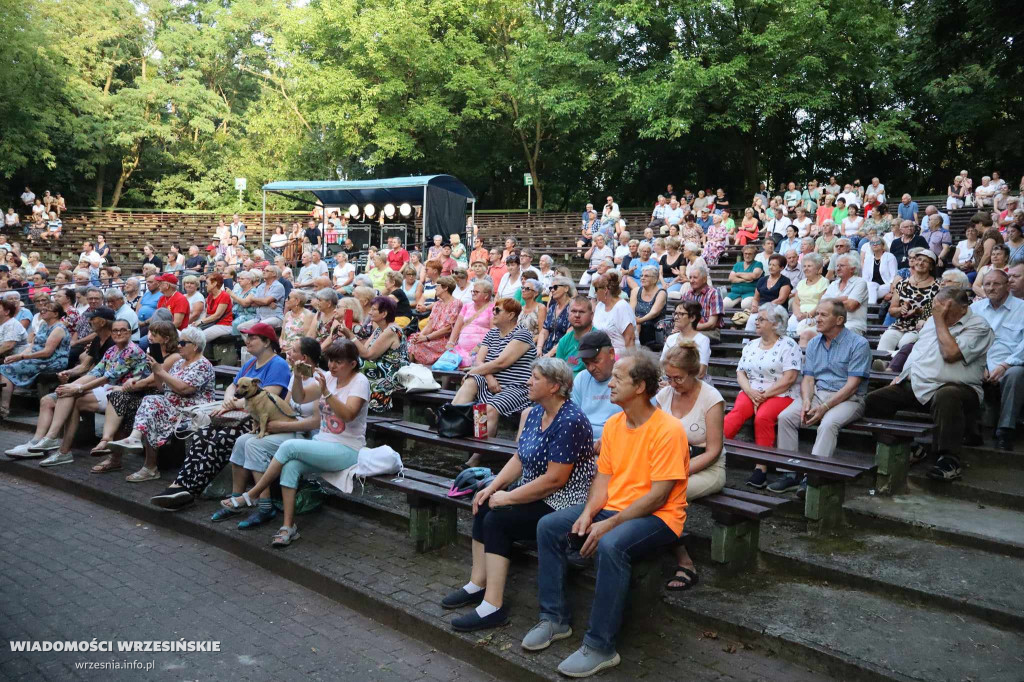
[835, 381]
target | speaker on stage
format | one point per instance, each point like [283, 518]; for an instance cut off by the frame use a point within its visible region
[360, 236]
[389, 231]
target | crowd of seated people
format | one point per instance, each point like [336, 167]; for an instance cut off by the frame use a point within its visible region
[540, 348]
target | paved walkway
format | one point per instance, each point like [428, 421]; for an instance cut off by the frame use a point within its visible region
[72, 570]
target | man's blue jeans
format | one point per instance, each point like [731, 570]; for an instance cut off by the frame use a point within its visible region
[614, 561]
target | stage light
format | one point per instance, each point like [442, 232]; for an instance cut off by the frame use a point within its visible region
[353, 211]
[389, 211]
[405, 210]
[369, 210]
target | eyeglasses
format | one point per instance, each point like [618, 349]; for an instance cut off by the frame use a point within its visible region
[182, 344]
[495, 311]
[676, 381]
[120, 331]
[680, 313]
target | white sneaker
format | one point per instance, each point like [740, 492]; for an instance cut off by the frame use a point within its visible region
[45, 445]
[57, 458]
[23, 451]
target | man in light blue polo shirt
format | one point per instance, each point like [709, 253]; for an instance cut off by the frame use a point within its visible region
[835, 380]
[590, 389]
[1004, 367]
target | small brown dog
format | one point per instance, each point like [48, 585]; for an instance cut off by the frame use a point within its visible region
[262, 406]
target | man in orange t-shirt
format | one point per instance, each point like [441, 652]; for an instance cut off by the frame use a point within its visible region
[637, 504]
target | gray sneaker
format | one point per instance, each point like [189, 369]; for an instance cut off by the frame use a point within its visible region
[57, 458]
[45, 445]
[543, 634]
[586, 662]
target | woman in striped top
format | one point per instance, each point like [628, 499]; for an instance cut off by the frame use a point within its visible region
[502, 366]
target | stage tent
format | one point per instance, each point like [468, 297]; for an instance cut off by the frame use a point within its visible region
[443, 198]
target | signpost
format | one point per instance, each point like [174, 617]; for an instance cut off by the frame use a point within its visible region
[528, 182]
[240, 186]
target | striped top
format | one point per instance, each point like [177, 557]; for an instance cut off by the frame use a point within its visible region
[519, 371]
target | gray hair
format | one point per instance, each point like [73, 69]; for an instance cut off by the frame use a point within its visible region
[327, 294]
[692, 247]
[844, 240]
[850, 258]
[272, 270]
[362, 281]
[195, 335]
[699, 269]
[190, 279]
[566, 282]
[257, 254]
[89, 290]
[488, 286]
[815, 258]
[806, 240]
[132, 281]
[650, 268]
[776, 314]
[958, 278]
[12, 296]
[303, 296]
[547, 259]
[556, 371]
[113, 294]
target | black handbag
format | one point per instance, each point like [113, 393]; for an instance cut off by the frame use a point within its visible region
[455, 421]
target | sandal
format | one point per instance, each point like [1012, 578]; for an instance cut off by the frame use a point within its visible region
[142, 475]
[106, 466]
[231, 503]
[686, 576]
[100, 449]
[285, 536]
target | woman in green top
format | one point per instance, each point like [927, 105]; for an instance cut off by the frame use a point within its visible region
[826, 243]
[744, 278]
[840, 212]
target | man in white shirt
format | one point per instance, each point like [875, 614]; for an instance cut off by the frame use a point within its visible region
[851, 291]
[1004, 368]
[610, 210]
[673, 216]
[878, 189]
[237, 229]
[307, 273]
[776, 227]
[929, 211]
[942, 375]
[767, 251]
[319, 267]
[28, 197]
[984, 192]
[658, 214]
[851, 197]
[622, 249]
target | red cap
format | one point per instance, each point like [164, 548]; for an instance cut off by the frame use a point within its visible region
[211, 247]
[261, 329]
[168, 277]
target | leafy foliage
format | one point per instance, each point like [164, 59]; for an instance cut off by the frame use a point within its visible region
[163, 102]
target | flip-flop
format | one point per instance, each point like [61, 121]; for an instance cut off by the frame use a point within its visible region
[106, 466]
[686, 576]
[98, 451]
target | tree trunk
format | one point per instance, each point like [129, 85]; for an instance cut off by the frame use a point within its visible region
[101, 177]
[751, 168]
[118, 186]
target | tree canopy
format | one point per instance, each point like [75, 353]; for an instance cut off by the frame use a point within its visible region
[162, 103]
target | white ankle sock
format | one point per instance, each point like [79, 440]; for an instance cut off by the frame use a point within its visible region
[471, 587]
[485, 609]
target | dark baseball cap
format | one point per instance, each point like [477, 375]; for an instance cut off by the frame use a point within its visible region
[591, 344]
[104, 312]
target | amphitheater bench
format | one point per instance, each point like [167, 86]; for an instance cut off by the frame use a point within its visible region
[826, 478]
[893, 438]
[736, 513]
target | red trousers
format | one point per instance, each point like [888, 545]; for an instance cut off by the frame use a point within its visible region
[742, 236]
[764, 419]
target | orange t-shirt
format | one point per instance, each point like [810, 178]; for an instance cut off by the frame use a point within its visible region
[657, 451]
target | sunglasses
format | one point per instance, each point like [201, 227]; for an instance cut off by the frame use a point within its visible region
[182, 344]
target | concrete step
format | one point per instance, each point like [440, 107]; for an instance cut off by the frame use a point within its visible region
[985, 484]
[925, 515]
[887, 638]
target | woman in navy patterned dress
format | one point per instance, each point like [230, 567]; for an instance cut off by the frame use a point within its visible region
[552, 471]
